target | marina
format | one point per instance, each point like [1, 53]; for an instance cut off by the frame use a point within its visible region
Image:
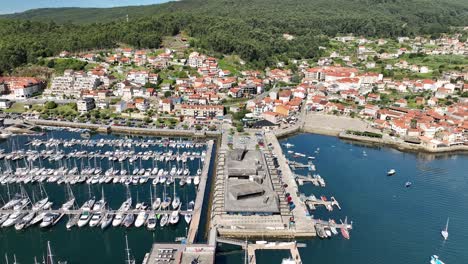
[152, 185]
[164, 214]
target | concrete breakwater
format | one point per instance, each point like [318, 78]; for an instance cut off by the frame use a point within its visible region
[127, 129]
[401, 145]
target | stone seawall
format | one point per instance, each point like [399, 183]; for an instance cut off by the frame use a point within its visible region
[128, 130]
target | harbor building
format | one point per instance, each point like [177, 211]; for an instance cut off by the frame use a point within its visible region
[248, 184]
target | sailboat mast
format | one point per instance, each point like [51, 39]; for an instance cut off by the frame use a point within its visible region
[50, 259]
[127, 250]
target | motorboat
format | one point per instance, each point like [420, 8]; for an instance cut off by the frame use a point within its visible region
[128, 220]
[96, 219]
[120, 216]
[164, 220]
[174, 218]
[188, 217]
[435, 260]
[391, 172]
[165, 204]
[50, 219]
[444, 232]
[141, 219]
[40, 204]
[13, 218]
[196, 180]
[156, 204]
[176, 203]
[151, 222]
[84, 218]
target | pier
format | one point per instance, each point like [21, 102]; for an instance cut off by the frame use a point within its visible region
[312, 202]
[78, 212]
[194, 224]
[291, 246]
[302, 226]
[316, 180]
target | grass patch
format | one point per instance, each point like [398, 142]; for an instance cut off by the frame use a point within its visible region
[16, 108]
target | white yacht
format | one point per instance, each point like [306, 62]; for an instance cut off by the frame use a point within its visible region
[444, 232]
[174, 219]
[151, 222]
[141, 219]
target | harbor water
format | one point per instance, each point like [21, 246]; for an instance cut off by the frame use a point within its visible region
[86, 244]
[391, 223]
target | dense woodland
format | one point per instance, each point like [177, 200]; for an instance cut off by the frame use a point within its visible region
[252, 29]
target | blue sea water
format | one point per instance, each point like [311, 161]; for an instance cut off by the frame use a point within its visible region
[92, 245]
[391, 223]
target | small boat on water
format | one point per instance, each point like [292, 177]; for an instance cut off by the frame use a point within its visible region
[24, 222]
[38, 218]
[444, 232]
[96, 219]
[164, 220]
[176, 203]
[156, 204]
[13, 218]
[128, 220]
[344, 232]
[141, 219]
[165, 204]
[408, 184]
[344, 229]
[435, 260]
[106, 220]
[151, 222]
[333, 227]
[288, 261]
[120, 216]
[391, 172]
[174, 218]
[50, 219]
[188, 218]
[84, 218]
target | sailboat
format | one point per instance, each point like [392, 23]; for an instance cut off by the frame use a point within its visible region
[50, 257]
[141, 218]
[71, 199]
[164, 220]
[176, 201]
[188, 216]
[120, 216]
[86, 208]
[151, 222]
[444, 232]
[174, 218]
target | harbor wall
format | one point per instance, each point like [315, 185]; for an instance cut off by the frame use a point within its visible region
[127, 129]
[404, 146]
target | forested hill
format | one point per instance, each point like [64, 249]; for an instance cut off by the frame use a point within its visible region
[252, 29]
[325, 15]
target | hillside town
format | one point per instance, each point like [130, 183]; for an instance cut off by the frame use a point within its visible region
[415, 89]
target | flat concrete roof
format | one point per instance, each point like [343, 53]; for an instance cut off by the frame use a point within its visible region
[168, 253]
[253, 192]
[248, 165]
